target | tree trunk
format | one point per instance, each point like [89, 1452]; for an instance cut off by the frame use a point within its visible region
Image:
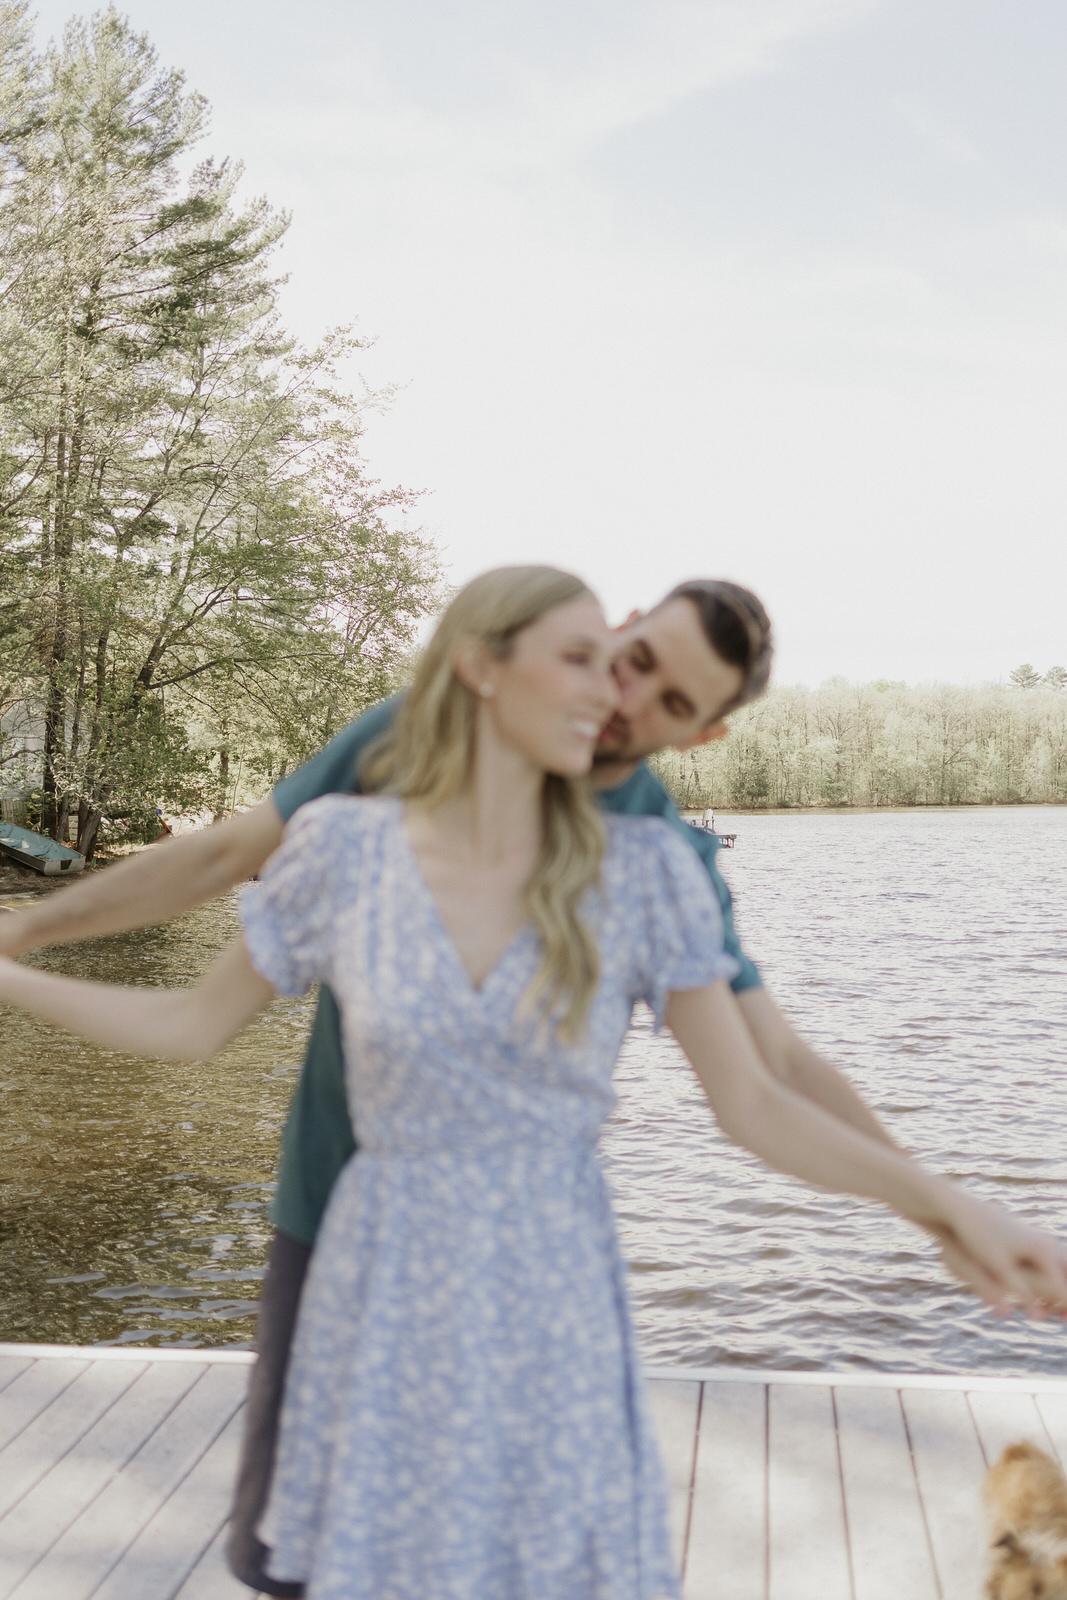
[89, 818]
[53, 745]
[67, 467]
[224, 783]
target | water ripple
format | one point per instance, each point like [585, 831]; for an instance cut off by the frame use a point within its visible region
[946, 1004]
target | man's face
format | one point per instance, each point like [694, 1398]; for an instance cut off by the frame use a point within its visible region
[672, 686]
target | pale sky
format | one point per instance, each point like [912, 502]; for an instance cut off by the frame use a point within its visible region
[767, 289]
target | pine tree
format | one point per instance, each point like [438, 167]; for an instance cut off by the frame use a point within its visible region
[184, 515]
[1025, 677]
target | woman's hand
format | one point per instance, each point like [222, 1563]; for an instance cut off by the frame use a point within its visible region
[1009, 1264]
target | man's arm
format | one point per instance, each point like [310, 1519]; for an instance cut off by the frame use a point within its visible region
[802, 1069]
[784, 1054]
[149, 887]
[181, 873]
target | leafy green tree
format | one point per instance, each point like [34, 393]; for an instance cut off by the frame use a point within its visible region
[191, 545]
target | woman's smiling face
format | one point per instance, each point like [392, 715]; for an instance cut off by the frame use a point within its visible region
[552, 694]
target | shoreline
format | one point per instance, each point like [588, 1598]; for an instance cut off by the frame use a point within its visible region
[16, 880]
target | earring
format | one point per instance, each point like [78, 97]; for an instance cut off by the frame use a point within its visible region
[486, 691]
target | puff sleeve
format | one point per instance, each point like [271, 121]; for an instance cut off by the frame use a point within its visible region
[288, 915]
[683, 922]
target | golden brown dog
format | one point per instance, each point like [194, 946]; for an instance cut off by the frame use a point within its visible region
[1026, 1499]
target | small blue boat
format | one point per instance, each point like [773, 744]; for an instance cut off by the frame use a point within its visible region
[35, 850]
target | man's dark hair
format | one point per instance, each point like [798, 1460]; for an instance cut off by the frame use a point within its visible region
[737, 628]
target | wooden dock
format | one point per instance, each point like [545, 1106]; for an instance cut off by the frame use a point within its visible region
[725, 841]
[116, 1465]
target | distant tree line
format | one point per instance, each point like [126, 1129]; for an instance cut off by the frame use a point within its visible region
[198, 578]
[1025, 677]
[883, 744]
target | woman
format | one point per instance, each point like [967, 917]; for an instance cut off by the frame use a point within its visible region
[464, 1416]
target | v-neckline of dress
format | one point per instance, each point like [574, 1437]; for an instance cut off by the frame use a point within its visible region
[476, 991]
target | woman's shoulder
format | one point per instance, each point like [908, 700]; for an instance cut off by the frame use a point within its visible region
[664, 908]
[646, 855]
[341, 829]
[646, 837]
[347, 817]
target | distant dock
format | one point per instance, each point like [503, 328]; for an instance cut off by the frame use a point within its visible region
[116, 1467]
[724, 840]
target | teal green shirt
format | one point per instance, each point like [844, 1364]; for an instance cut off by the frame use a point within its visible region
[318, 1137]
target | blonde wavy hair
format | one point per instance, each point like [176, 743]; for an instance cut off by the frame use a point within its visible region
[428, 755]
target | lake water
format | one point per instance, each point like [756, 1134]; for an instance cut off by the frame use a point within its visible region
[923, 951]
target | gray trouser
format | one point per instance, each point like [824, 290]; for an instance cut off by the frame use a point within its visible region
[246, 1553]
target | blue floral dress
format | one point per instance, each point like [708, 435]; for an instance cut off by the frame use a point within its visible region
[464, 1417]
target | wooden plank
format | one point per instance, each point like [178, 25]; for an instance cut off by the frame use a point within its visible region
[115, 1477]
[1003, 1419]
[949, 1467]
[32, 1392]
[807, 1546]
[211, 1578]
[83, 1556]
[10, 1367]
[164, 1553]
[887, 1535]
[209, 1355]
[968, 1382]
[675, 1409]
[46, 1440]
[726, 1559]
[1052, 1409]
[48, 1510]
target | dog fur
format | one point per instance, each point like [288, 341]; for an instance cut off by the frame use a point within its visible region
[1026, 1500]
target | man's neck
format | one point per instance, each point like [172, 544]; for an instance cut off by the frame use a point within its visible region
[612, 774]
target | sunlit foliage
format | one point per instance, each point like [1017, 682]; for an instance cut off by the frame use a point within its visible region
[882, 744]
[197, 574]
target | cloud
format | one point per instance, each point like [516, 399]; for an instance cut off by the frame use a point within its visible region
[524, 113]
[666, 53]
[937, 132]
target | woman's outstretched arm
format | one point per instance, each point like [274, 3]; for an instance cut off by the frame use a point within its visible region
[1003, 1260]
[181, 1024]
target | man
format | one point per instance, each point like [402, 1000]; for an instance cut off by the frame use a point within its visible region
[699, 654]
